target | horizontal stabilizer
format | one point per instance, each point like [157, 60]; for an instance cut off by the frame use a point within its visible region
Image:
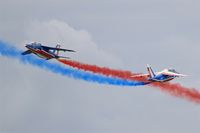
[140, 76]
[63, 57]
[27, 52]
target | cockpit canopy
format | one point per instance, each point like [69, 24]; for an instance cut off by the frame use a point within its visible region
[172, 70]
[35, 44]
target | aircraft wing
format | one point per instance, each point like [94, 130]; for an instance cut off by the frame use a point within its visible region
[140, 76]
[26, 52]
[173, 74]
[59, 49]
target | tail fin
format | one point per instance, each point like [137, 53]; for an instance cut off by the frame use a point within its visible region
[57, 51]
[150, 71]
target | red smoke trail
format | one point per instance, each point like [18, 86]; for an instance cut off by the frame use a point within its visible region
[102, 70]
[173, 89]
[179, 91]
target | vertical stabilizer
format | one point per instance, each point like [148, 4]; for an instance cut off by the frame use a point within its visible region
[57, 51]
[150, 71]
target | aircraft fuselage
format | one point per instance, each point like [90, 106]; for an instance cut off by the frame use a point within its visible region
[161, 78]
[41, 52]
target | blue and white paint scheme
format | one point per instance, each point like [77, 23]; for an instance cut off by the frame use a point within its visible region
[162, 76]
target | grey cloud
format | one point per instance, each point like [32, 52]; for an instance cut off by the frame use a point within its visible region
[162, 33]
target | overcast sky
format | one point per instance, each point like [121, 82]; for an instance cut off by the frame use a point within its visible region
[123, 34]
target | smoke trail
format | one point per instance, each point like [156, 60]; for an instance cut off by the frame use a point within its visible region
[173, 89]
[179, 91]
[10, 51]
[102, 70]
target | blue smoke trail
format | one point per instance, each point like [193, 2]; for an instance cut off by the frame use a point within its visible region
[10, 51]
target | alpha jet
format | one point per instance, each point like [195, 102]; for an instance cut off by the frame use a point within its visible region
[162, 76]
[45, 51]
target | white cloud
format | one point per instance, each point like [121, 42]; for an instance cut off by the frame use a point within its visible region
[57, 32]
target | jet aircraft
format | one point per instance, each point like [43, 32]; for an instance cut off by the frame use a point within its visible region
[162, 76]
[45, 51]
